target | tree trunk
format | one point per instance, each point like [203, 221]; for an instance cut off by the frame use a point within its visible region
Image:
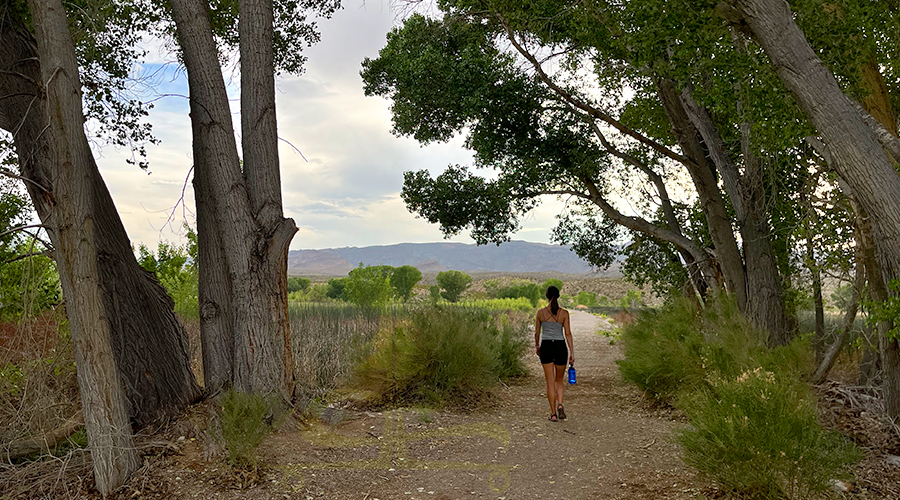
[259, 131]
[860, 159]
[728, 255]
[764, 298]
[102, 395]
[859, 281]
[253, 234]
[150, 344]
[815, 274]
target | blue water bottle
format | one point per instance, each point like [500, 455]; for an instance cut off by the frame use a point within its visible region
[572, 374]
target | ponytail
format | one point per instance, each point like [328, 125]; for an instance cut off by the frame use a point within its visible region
[553, 294]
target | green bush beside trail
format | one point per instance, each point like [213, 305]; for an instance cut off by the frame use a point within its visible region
[753, 425]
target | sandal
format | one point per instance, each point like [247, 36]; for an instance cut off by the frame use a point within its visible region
[553, 418]
[561, 412]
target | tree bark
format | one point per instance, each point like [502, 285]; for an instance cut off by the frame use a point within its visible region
[860, 159]
[764, 297]
[102, 395]
[254, 236]
[150, 344]
[259, 131]
[702, 173]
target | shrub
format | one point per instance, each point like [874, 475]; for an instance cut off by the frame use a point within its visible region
[525, 290]
[317, 292]
[297, 284]
[663, 351]
[753, 422]
[336, 288]
[512, 342]
[584, 298]
[246, 419]
[757, 435]
[369, 286]
[403, 279]
[453, 284]
[441, 354]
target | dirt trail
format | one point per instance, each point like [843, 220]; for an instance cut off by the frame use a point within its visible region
[611, 446]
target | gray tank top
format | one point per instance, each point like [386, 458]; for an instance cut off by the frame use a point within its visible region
[551, 330]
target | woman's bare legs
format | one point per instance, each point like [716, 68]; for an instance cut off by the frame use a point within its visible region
[550, 376]
[559, 382]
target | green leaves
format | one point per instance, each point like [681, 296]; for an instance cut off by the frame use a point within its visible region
[453, 284]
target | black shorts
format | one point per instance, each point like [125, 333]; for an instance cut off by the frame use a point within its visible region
[554, 351]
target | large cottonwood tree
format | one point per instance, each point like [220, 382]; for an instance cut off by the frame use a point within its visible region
[131, 351]
[243, 234]
[865, 164]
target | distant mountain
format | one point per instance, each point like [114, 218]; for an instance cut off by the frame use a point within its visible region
[512, 257]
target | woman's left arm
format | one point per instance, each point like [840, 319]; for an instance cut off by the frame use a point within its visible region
[568, 332]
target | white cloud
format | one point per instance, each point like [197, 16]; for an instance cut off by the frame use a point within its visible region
[346, 190]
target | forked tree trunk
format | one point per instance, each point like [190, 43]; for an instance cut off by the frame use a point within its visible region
[253, 236]
[150, 344]
[764, 304]
[859, 158]
[102, 395]
[728, 255]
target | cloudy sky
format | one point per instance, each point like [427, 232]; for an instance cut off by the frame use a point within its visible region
[345, 192]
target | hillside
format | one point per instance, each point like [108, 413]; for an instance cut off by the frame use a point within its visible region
[509, 257]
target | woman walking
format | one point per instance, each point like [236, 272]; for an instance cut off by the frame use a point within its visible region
[552, 336]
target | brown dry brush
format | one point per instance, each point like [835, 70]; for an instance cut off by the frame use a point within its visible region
[858, 413]
[38, 389]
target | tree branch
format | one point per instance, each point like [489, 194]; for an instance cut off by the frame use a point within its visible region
[21, 228]
[578, 103]
[888, 141]
[7, 173]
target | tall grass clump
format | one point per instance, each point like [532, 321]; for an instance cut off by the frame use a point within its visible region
[246, 419]
[753, 425]
[662, 351]
[329, 340]
[441, 354]
[757, 435]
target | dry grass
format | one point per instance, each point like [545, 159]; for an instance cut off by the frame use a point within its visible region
[38, 389]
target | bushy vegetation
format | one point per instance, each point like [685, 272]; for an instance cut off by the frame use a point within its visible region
[753, 424]
[29, 282]
[758, 434]
[453, 284]
[297, 284]
[518, 289]
[176, 269]
[442, 354]
[246, 419]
